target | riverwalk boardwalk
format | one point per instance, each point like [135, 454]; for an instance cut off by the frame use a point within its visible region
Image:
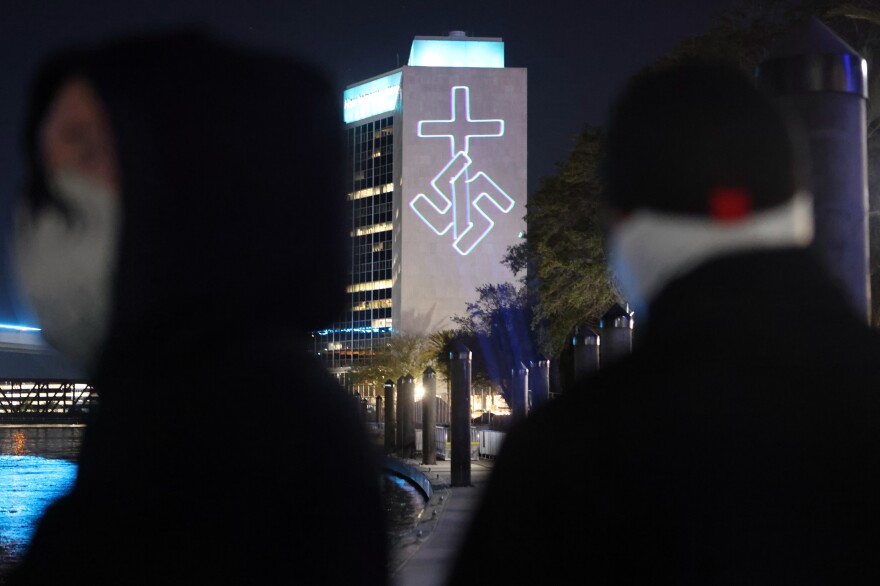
[424, 556]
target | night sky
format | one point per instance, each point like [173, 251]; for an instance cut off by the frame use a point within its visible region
[578, 53]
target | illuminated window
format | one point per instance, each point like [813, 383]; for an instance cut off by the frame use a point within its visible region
[371, 191]
[384, 284]
[372, 229]
[376, 304]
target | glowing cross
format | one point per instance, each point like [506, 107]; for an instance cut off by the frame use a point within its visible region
[461, 128]
[459, 201]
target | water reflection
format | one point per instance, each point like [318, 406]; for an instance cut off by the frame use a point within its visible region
[18, 437]
[48, 441]
[28, 485]
[404, 506]
[37, 466]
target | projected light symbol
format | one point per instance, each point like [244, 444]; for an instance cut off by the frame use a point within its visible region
[461, 200]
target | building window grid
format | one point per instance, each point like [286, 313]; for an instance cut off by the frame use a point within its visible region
[371, 153]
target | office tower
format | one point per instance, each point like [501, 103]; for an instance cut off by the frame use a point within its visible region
[437, 155]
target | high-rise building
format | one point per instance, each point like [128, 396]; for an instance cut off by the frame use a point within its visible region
[437, 150]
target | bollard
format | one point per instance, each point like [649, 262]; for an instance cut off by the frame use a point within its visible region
[379, 413]
[429, 416]
[617, 328]
[390, 428]
[404, 418]
[406, 387]
[460, 416]
[585, 348]
[539, 377]
[519, 392]
[822, 82]
[398, 415]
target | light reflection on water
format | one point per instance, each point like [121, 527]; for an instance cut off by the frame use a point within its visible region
[28, 485]
[403, 506]
[37, 466]
[47, 441]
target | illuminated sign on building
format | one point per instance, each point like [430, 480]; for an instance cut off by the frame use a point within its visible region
[371, 98]
[463, 197]
[456, 53]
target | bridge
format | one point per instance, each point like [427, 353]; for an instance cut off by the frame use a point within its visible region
[37, 384]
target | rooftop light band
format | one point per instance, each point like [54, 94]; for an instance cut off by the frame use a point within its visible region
[456, 53]
[371, 98]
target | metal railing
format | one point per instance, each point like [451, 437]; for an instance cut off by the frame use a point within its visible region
[485, 443]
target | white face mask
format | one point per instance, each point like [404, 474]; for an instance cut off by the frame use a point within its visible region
[66, 263]
[649, 249]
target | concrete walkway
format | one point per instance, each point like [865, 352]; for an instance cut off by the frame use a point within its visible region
[424, 556]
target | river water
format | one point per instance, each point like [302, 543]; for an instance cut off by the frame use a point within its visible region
[38, 465]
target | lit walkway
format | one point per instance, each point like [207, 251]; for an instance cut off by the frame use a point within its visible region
[424, 556]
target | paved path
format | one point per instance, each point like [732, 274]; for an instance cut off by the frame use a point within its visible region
[424, 556]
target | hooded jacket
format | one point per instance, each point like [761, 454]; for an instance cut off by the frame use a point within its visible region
[221, 453]
[737, 444]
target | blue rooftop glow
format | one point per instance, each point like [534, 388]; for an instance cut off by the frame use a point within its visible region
[18, 328]
[456, 53]
[371, 98]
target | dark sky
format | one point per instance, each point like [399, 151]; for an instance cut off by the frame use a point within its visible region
[578, 53]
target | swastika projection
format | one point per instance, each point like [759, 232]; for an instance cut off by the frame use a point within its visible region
[463, 199]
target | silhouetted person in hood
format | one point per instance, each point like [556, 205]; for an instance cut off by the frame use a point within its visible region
[182, 229]
[739, 442]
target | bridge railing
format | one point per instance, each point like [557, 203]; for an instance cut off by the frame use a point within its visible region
[19, 398]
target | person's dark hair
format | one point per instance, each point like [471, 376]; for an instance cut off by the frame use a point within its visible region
[678, 134]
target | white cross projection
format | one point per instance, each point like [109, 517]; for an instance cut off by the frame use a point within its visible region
[460, 201]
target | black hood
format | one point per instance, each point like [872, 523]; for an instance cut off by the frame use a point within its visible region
[231, 173]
